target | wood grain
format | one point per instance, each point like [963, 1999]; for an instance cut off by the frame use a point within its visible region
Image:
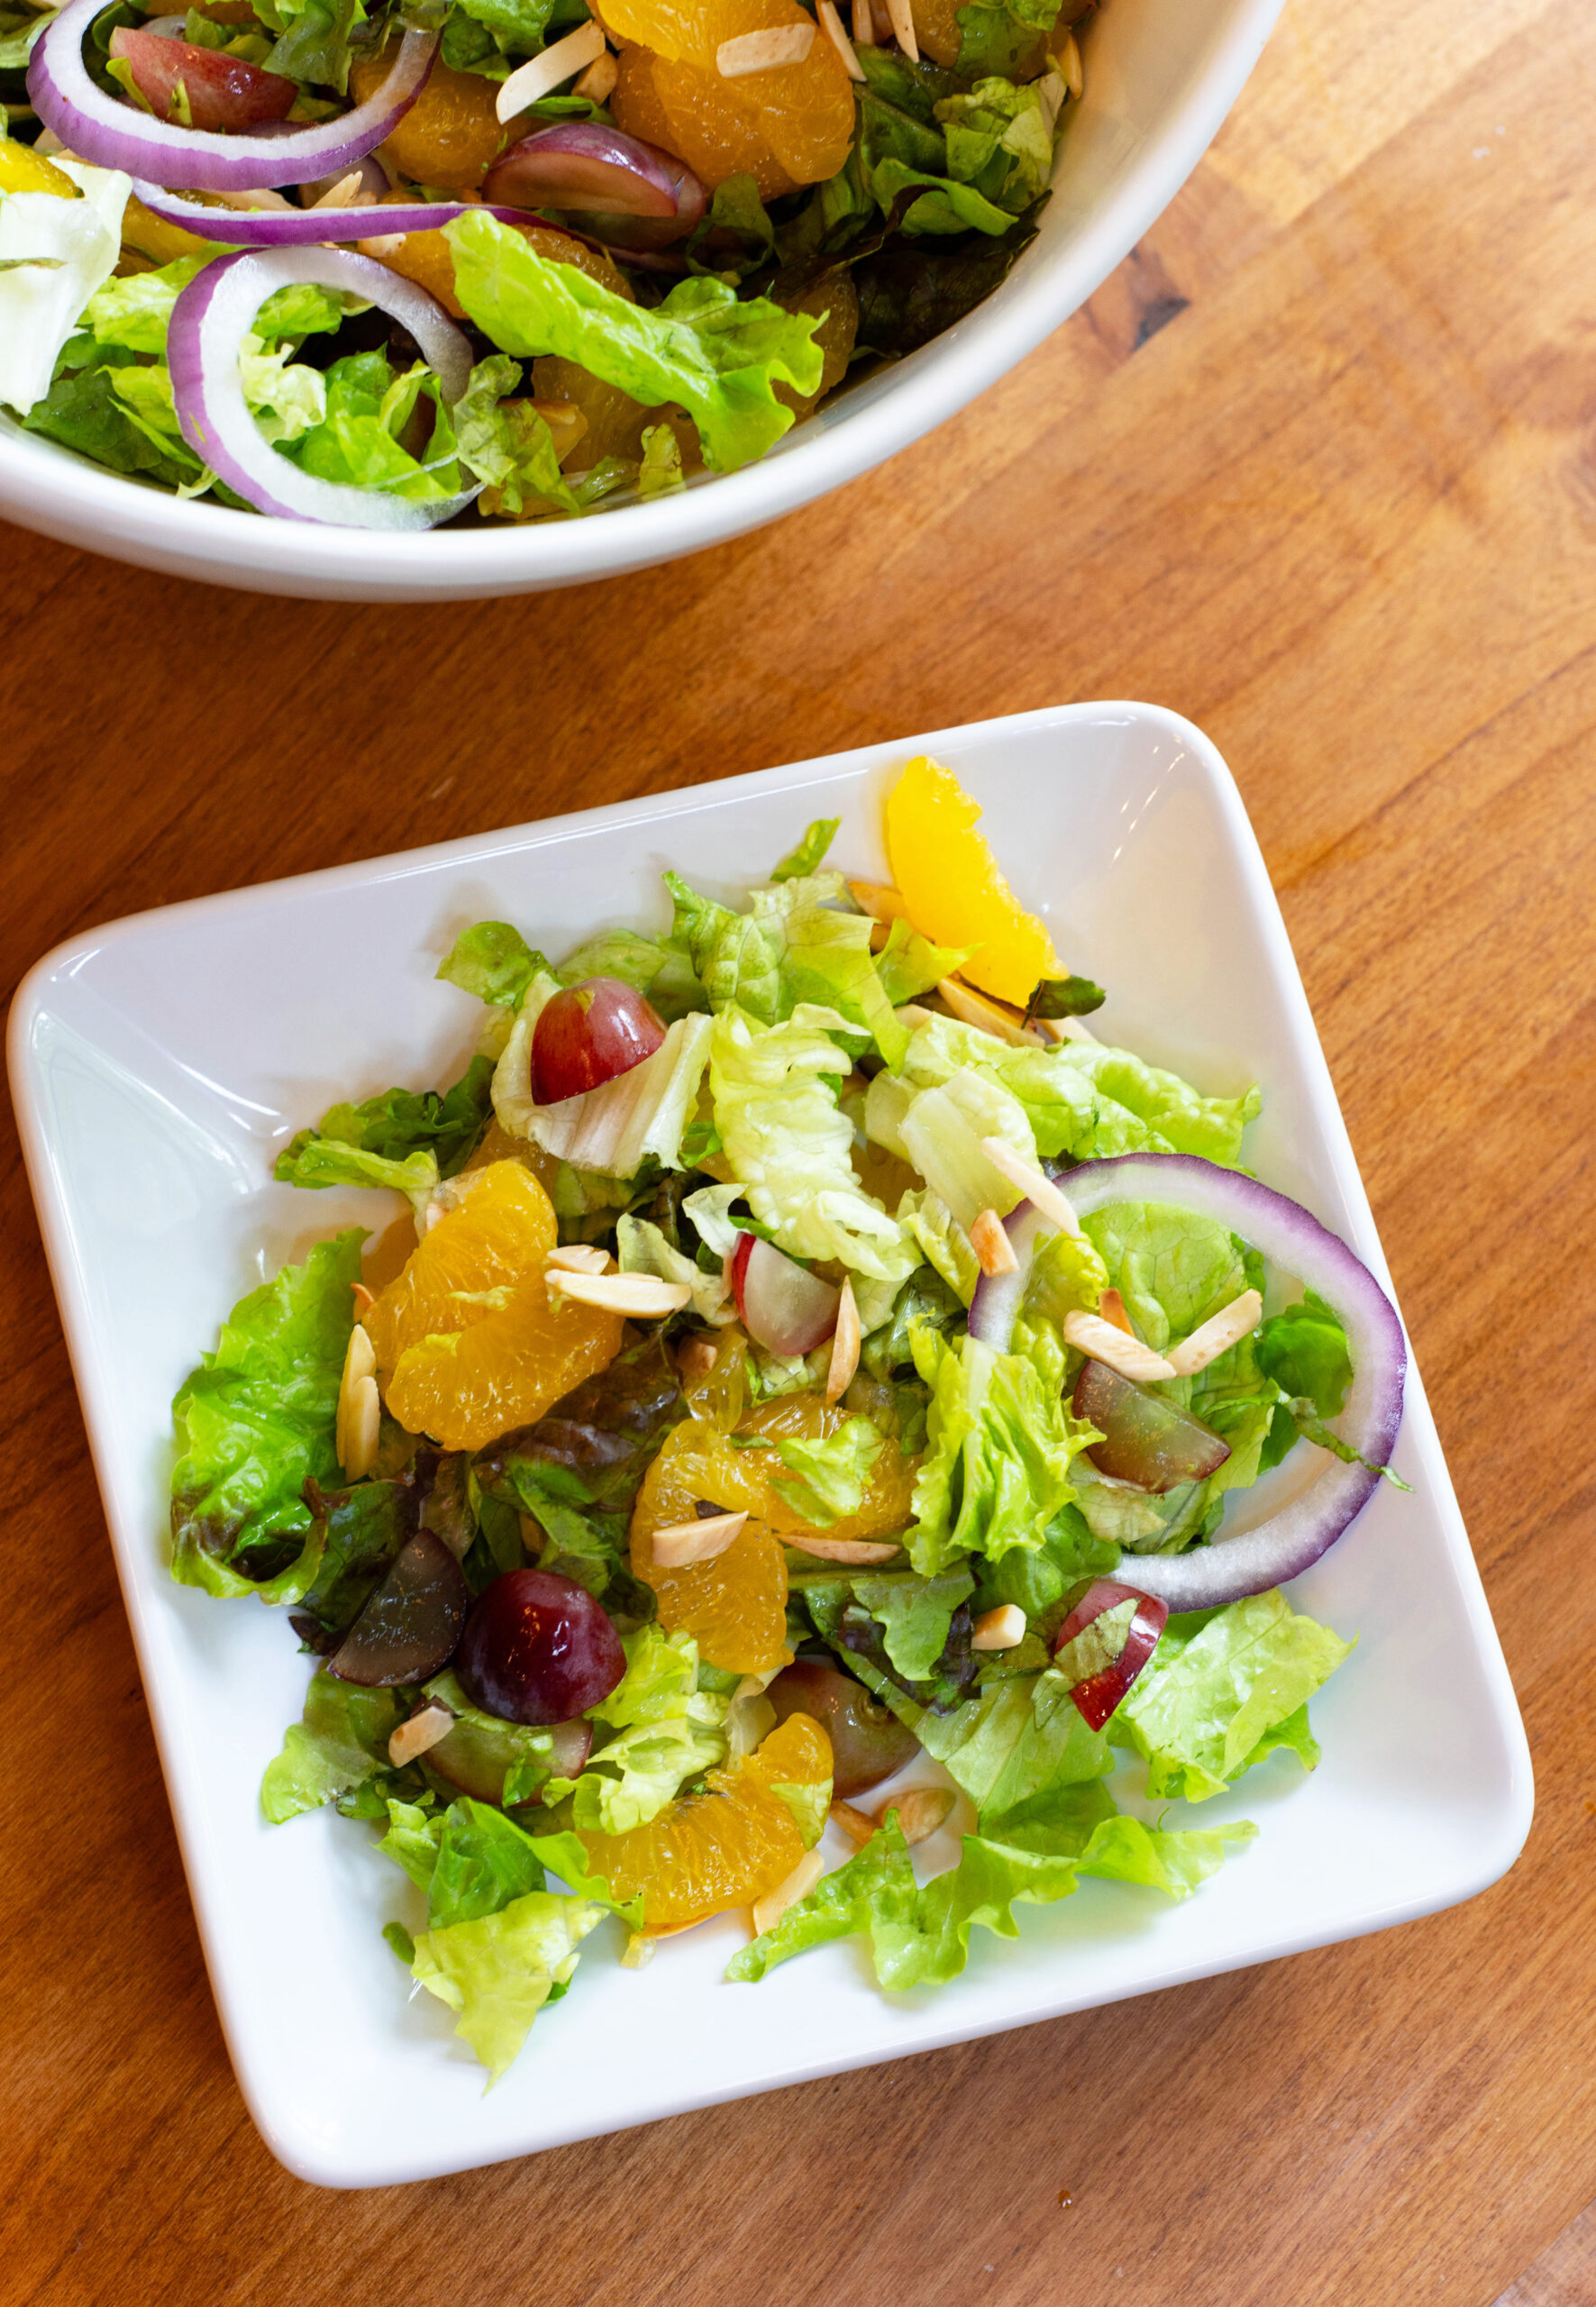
[1318, 468]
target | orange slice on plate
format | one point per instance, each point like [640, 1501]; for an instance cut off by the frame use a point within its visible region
[950, 883]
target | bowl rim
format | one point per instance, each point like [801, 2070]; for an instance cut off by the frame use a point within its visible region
[48, 489]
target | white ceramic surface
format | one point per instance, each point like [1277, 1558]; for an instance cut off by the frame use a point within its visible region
[1162, 74]
[157, 1066]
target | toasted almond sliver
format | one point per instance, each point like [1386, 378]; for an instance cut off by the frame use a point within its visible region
[1068, 1030]
[344, 194]
[769, 1910]
[423, 1729]
[903, 26]
[544, 73]
[914, 1015]
[1069, 56]
[844, 1344]
[857, 1825]
[382, 246]
[864, 36]
[842, 1549]
[364, 1300]
[763, 51]
[700, 1541]
[695, 1358]
[361, 1426]
[831, 25]
[1111, 1308]
[1217, 1334]
[920, 1811]
[1091, 1335]
[643, 1294]
[581, 1257]
[993, 1249]
[597, 82]
[999, 1629]
[1031, 1182]
[875, 897]
[360, 1360]
[992, 1016]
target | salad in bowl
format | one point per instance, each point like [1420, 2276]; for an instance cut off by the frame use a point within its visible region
[496, 260]
[792, 1432]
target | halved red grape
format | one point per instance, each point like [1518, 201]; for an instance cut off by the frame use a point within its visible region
[475, 1755]
[222, 91]
[867, 1741]
[409, 1627]
[1110, 1672]
[586, 1035]
[1147, 1439]
[787, 1309]
[538, 1649]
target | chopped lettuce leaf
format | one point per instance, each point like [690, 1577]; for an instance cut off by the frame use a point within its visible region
[641, 1769]
[1001, 1443]
[256, 1420]
[940, 1134]
[1173, 1270]
[1304, 1352]
[616, 1128]
[910, 963]
[823, 957]
[833, 1473]
[914, 1614]
[341, 1742]
[615, 952]
[498, 1971]
[395, 1128]
[661, 1674]
[314, 1161]
[493, 962]
[926, 1218]
[709, 1210]
[1218, 1690]
[809, 854]
[776, 1109]
[718, 358]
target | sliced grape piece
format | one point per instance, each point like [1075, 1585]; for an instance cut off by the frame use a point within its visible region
[589, 1034]
[1103, 1671]
[1147, 1439]
[476, 1755]
[409, 1627]
[538, 1649]
[868, 1741]
[787, 1309]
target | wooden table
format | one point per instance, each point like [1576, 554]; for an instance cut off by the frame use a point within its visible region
[1317, 467]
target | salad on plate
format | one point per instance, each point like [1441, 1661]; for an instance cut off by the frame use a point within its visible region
[783, 1456]
[394, 264]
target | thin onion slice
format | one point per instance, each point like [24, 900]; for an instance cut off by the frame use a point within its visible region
[293, 228]
[1292, 1238]
[110, 134]
[209, 324]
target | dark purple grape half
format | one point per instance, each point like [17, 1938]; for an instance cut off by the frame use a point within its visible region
[1147, 1439]
[538, 1649]
[409, 1629]
[867, 1741]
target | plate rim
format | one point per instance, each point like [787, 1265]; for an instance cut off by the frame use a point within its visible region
[316, 2159]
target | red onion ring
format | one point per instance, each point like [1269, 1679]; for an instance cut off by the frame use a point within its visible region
[1227, 1569]
[109, 134]
[208, 322]
[295, 228]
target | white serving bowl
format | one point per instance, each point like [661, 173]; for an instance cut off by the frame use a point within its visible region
[1161, 77]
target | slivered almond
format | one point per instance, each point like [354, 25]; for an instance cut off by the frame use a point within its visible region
[993, 1249]
[360, 1362]
[695, 1358]
[422, 1731]
[1089, 1334]
[344, 194]
[597, 82]
[1033, 1183]
[700, 1541]
[842, 1549]
[999, 1629]
[857, 1825]
[920, 1811]
[914, 1015]
[1068, 1030]
[768, 1911]
[903, 26]
[875, 897]
[763, 51]
[864, 36]
[581, 1257]
[844, 1344]
[831, 25]
[643, 1294]
[543, 74]
[362, 1426]
[1111, 1308]
[995, 1017]
[1216, 1335]
[1069, 56]
[364, 1300]
[382, 246]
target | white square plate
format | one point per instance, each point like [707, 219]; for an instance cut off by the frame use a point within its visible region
[158, 1066]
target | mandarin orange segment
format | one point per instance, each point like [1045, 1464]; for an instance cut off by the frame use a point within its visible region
[469, 1342]
[949, 880]
[789, 126]
[887, 1506]
[735, 1606]
[452, 134]
[723, 1846]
